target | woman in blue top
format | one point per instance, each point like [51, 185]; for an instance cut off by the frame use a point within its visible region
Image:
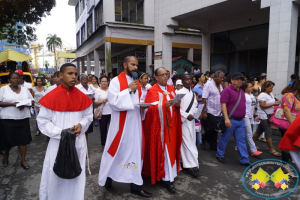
[200, 78]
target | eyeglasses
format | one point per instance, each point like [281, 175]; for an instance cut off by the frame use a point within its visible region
[162, 75]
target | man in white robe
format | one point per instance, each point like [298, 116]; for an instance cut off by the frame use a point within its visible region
[189, 151]
[56, 80]
[65, 107]
[122, 157]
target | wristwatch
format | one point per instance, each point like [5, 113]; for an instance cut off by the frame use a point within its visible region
[204, 110]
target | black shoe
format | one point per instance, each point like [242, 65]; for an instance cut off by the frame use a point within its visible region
[136, 189]
[170, 187]
[108, 183]
[202, 145]
[25, 166]
[221, 160]
[5, 163]
[246, 164]
[195, 172]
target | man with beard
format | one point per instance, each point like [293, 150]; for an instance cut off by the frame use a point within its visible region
[122, 159]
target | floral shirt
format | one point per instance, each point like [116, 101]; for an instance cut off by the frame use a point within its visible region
[290, 98]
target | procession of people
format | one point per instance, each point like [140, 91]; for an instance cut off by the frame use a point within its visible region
[146, 130]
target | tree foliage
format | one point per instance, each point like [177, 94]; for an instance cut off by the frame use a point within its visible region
[53, 42]
[18, 16]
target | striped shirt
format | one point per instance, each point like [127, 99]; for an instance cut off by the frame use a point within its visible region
[212, 96]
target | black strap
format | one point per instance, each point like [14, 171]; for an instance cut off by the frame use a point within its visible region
[191, 104]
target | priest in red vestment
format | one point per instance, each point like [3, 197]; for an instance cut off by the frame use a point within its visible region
[291, 141]
[163, 133]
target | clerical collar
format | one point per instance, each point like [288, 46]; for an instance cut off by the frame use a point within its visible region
[164, 88]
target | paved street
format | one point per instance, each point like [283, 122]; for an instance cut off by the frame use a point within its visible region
[219, 181]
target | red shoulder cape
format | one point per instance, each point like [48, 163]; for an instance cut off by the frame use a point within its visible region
[62, 101]
[291, 139]
[154, 150]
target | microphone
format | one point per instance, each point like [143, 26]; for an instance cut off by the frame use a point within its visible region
[135, 76]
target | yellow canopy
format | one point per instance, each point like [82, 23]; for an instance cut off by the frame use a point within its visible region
[11, 55]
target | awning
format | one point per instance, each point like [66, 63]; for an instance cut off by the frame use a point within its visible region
[11, 55]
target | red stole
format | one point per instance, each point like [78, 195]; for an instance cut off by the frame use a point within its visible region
[291, 139]
[62, 100]
[116, 142]
[172, 134]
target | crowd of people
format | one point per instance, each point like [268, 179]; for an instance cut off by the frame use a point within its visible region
[155, 131]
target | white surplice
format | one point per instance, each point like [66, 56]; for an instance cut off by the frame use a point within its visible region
[189, 152]
[126, 165]
[51, 123]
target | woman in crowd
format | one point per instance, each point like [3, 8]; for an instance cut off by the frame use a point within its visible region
[227, 81]
[143, 79]
[88, 90]
[101, 102]
[258, 82]
[250, 116]
[15, 120]
[290, 100]
[38, 92]
[95, 85]
[265, 109]
[200, 78]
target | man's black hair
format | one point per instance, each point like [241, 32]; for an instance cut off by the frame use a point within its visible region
[210, 73]
[56, 74]
[64, 66]
[183, 76]
[156, 71]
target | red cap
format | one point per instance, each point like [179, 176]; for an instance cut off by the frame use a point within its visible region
[20, 72]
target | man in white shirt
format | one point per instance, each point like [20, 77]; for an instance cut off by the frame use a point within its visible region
[188, 108]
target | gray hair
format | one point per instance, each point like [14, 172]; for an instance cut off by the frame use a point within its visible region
[219, 73]
[82, 75]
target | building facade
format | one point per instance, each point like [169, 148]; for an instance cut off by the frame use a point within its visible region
[109, 30]
[251, 36]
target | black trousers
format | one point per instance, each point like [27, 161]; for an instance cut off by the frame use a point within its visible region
[1, 138]
[285, 155]
[104, 124]
[209, 136]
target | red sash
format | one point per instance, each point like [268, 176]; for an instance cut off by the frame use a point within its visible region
[116, 142]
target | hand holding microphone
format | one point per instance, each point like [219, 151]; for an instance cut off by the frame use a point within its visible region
[134, 85]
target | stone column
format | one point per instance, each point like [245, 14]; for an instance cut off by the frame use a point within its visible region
[206, 46]
[190, 54]
[88, 63]
[148, 59]
[108, 67]
[78, 65]
[282, 43]
[96, 62]
[82, 65]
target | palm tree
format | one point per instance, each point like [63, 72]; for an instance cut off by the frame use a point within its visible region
[53, 42]
[46, 65]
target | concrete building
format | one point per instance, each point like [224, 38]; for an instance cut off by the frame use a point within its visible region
[251, 36]
[109, 30]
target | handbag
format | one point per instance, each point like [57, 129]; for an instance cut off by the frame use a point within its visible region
[278, 118]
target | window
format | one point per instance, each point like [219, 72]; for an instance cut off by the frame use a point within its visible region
[78, 39]
[130, 11]
[99, 15]
[83, 38]
[90, 25]
[77, 12]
